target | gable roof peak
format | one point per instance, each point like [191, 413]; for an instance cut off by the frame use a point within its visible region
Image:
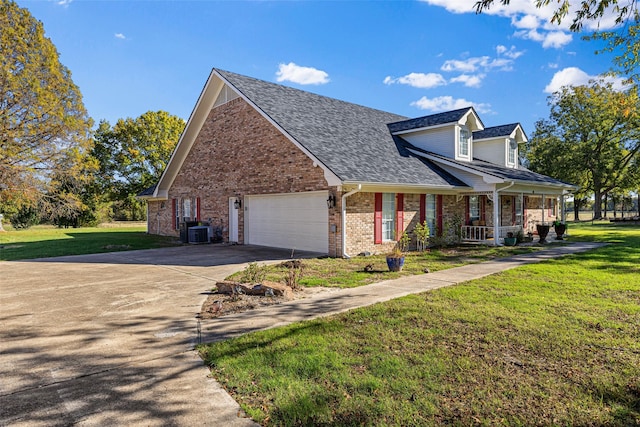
[507, 130]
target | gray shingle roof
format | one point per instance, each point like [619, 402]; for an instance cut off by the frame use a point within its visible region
[508, 174]
[427, 121]
[351, 140]
[495, 131]
[147, 191]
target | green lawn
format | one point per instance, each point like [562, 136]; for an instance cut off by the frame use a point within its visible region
[46, 241]
[555, 343]
[348, 273]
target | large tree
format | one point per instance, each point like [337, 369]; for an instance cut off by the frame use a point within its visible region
[43, 122]
[133, 154]
[624, 41]
[591, 138]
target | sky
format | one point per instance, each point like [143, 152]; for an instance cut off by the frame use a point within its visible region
[412, 58]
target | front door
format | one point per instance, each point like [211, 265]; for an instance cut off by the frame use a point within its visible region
[233, 220]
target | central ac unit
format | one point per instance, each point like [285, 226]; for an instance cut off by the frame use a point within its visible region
[199, 234]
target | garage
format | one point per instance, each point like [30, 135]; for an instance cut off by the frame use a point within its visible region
[292, 221]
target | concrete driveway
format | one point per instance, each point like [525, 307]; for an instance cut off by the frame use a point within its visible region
[107, 339]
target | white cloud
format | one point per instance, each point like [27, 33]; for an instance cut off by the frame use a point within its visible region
[471, 65]
[419, 80]
[120, 36]
[510, 53]
[64, 3]
[469, 80]
[553, 65]
[447, 103]
[573, 76]
[534, 23]
[301, 75]
[466, 66]
[556, 39]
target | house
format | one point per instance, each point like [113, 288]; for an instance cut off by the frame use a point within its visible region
[276, 166]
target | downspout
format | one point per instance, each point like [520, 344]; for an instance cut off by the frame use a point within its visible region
[496, 211]
[344, 219]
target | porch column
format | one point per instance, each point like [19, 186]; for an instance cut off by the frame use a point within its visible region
[496, 216]
[543, 221]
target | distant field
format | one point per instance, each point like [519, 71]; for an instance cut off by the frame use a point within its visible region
[47, 241]
[588, 215]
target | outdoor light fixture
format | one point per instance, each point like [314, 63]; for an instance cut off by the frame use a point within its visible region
[331, 201]
[238, 203]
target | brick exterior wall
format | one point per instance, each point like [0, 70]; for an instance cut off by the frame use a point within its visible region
[237, 152]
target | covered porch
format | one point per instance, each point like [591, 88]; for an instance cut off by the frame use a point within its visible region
[515, 212]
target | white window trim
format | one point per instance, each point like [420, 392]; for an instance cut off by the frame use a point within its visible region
[459, 155]
[388, 222]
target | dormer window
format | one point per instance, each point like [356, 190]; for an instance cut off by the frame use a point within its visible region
[465, 137]
[511, 150]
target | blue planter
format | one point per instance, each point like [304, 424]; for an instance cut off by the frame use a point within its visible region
[395, 264]
[510, 241]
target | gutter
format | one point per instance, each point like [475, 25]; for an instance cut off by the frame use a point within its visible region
[344, 219]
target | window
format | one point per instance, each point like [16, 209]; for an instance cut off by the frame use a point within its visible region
[463, 149]
[431, 213]
[511, 151]
[518, 215]
[474, 208]
[186, 209]
[388, 216]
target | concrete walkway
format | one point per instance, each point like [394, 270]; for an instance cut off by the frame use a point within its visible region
[340, 300]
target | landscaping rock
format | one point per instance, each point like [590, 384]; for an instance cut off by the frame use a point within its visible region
[264, 288]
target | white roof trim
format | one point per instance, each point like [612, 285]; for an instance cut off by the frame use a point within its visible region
[196, 120]
[407, 188]
[212, 88]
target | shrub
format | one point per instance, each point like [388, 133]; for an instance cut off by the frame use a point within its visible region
[253, 273]
[24, 218]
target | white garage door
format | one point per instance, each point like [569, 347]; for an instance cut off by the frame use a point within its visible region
[292, 221]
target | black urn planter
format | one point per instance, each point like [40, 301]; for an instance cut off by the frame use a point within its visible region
[560, 229]
[395, 263]
[543, 231]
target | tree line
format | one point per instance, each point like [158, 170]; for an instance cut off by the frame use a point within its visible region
[54, 166]
[57, 166]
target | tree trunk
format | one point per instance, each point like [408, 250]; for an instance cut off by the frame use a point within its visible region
[597, 204]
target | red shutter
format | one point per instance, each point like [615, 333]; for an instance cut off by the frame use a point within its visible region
[377, 219]
[423, 208]
[399, 215]
[439, 215]
[197, 208]
[174, 214]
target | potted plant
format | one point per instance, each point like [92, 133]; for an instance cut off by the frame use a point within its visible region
[560, 228]
[510, 240]
[543, 231]
[395, 258]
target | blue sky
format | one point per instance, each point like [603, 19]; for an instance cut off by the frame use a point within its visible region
[407, 57]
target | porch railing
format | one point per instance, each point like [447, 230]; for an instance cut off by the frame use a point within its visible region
[484, 234]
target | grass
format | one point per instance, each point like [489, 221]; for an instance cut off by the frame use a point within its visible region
[348, 273]
[47, 241]
[554, 343]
